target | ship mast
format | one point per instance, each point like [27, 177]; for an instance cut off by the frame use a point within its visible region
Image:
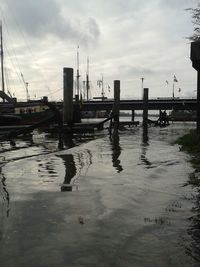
[78, 75]
[102, 84]
[87, 79]
[2, 62]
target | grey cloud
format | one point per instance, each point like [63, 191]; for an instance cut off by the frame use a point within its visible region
[41, 18]
[92, 31]
[129, 70]
[175, 4]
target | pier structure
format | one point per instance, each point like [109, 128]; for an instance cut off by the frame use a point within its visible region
[134, 105]
[69, 107]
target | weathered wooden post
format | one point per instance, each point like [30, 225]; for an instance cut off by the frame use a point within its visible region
[115, 108]
[68, 74]
[145, 114]
[116, 103]
[145, 106]
[195, 58]
[133, 115]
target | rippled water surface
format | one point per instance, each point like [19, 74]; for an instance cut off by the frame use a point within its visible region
[100, 201]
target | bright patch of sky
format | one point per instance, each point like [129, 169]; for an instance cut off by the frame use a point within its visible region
[125, 40]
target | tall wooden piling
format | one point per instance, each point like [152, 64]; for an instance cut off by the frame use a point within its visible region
[133, 115]
[68, 75]
[198, 102]
[145, 105]
[145, 115]
[116, 102]
[114, 122]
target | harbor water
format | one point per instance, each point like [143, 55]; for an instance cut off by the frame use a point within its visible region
[121, 201]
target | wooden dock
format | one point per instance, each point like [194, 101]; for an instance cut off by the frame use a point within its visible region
[128, 123]
[79, 128]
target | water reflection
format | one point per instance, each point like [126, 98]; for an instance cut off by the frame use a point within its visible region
[47, 168]
[68, 141]
[145, 137]
[116, 151]
[65, 140]
[143, 156]
[75, 168]
[144, 145]
[84, 161]
[70, 171]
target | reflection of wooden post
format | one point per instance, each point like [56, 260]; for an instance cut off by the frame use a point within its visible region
[145, 106]
[133, 115]
[68, 95]
[116, 102]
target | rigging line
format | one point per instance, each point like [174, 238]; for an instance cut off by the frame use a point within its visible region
[13, 65]
[7, 81]
[54, 92]
[26, 43]
[8, 34]
[16, 68]
[11, 60]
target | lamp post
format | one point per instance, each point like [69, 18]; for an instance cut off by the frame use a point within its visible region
[142, 79]
[174, 81]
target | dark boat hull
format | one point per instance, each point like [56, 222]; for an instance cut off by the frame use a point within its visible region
[6, 119]
[24, 119]
[33, 118]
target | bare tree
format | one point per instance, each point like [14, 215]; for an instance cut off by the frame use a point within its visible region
[195, 14]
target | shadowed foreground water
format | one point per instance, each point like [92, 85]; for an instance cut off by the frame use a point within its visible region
[112, 201]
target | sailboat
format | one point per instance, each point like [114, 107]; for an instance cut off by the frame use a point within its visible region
[19, 113]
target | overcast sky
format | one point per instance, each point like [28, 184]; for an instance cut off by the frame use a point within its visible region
[125, 40]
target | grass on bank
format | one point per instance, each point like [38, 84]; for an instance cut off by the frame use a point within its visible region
[191, 144]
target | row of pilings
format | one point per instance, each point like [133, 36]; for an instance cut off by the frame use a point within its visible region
[68, 77]
[68, 93]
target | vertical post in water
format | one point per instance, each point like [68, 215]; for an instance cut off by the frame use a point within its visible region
[116, 102]
[2, 60]
[133, 115]
[145, 106]
[68, 74]
[198, 102]
[145, 115]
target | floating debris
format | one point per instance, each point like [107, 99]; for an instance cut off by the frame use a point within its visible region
[80, 219]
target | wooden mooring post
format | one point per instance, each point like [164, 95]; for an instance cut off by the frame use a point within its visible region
[116, 106]
[145, 114]
[145, 106]
[114, 117]
[133, 115]
[198, 102]
[68, 76]
[195, 58]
